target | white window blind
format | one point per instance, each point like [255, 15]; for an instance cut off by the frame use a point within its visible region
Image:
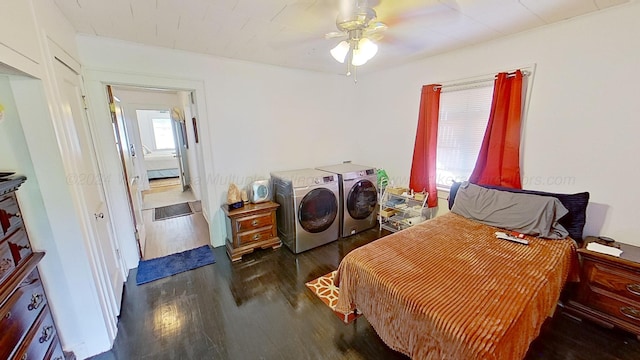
[464, 114]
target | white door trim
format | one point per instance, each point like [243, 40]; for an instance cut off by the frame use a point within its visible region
[95, 82]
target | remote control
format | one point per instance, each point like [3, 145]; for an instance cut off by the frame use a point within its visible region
[504, 236]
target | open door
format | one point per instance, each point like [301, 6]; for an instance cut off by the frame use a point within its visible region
[128, 156]
[180, 136]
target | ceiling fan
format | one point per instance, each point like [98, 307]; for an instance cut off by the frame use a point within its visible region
[358, 27]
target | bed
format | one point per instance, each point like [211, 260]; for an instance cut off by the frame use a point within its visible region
[449, 289]
[161, 165]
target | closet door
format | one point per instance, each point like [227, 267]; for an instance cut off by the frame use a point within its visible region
[87, 179]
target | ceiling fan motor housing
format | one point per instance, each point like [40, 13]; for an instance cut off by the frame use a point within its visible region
[358, 20]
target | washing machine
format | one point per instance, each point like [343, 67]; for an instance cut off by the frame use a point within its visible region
[308, 213]
[358, 196]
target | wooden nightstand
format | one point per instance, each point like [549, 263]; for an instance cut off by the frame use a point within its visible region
[250, 227]
[609, 290]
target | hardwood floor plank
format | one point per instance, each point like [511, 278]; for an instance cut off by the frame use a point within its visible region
[259, 308]
[174, 235]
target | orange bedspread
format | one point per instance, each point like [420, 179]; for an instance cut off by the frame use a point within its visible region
[448, 289]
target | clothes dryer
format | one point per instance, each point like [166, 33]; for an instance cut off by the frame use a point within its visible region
[308, 213]
[358, 196]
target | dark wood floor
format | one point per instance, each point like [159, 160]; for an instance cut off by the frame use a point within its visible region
[260, 309]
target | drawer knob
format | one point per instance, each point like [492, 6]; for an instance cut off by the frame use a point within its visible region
[47, 333]
[255, 223]
[630, 312]
[36, 301]
[24, 356]
[256, 236]
[8, 315]
[634, 289]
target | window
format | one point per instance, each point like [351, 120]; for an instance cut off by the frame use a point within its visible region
[464, 114]
[163, 134]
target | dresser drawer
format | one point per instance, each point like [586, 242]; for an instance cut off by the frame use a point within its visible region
[628, 311]
[254, 222]
[19, 312]
[253, 236]
[617, 280]
[19, 246]
[55, 351]
[10, 218]
[7, 265]
[39, 338]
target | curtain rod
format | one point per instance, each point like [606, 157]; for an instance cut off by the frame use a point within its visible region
[509, 74]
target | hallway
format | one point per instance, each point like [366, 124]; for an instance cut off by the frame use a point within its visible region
[177, 234]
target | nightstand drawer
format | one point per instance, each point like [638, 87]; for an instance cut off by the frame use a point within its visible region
[255, 222]
[250, 227]
[615, 279]
[628, 311]
[253, 236]
[9, 215]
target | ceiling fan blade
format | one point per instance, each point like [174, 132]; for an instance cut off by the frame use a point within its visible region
[335, 35]
[376, 26]
[375, 36]
[394, 12]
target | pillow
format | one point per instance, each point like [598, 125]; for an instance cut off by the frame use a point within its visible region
[529, 214]
[576, 204]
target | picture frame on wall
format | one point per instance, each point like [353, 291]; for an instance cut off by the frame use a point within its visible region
[195, 129]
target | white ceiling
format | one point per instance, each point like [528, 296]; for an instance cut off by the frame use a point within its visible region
[290, 33]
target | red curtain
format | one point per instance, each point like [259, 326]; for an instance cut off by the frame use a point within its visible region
[499, 158]
[423, 167]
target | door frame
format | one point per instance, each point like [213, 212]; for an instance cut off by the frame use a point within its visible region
[95, 83]
[107, 299]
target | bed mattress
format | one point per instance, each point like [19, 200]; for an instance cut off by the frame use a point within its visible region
[448, 289]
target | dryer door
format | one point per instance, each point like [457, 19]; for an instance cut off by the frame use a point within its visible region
[318, 210]
[362, 199]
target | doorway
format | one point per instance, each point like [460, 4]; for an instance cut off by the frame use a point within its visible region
[162, 161]
[156, 148]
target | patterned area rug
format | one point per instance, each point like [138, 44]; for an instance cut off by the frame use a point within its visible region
[324, 288]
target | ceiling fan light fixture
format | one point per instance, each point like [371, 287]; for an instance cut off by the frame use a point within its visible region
[339, 52]
[364, 52]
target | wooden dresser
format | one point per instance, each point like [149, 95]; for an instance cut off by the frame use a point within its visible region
[27, 331]
[250, 227]
[609, 290]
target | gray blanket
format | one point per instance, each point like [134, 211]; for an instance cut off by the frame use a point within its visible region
[528, 214]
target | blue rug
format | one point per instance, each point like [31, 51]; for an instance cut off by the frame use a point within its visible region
[154, 269]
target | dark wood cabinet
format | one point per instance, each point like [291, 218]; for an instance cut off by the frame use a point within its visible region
[250, 227]
[609, 290]
[27, 330]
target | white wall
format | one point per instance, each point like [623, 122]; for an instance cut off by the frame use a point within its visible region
[16, 157]
[581, 127]
[195, 150]
[257, 118]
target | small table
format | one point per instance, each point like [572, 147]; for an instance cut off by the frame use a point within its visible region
[609, 290]
[249, 227]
